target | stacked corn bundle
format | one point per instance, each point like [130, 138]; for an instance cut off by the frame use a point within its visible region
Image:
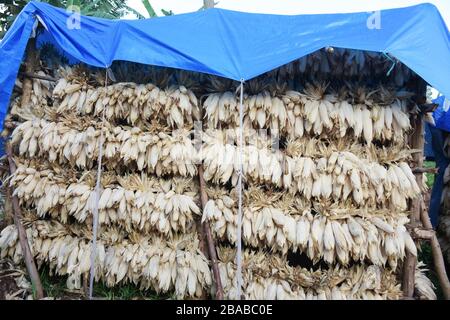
[164, 265]
[338, 63]
[268, 276]
[148, 199]
[444, 217]
[336, 187]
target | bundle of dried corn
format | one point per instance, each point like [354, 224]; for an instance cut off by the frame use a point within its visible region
[41, 93]
[268, 276]
[423, 285]
[132, 201]
[342, 158]
[76, 140]
[340, 63]
[332, 232]
[296, 114]
[174, 106]
[330, 174]
[147, 234]
[152, 262]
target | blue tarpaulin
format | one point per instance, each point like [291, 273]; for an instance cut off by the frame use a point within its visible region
[442, 115]
[232, 44]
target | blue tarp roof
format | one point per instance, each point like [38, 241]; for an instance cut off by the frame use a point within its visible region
[233, 44]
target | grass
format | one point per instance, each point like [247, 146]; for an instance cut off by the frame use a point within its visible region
[126, 292]
[430, 176]
[55, 286]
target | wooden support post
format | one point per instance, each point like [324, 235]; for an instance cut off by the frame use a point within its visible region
[7, 207]
[209, 239]
[438, 259]
[409, 268]
[23, 240]
[86, 285]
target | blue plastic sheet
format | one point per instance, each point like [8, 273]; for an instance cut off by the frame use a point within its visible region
[442, 115]
[232, 44]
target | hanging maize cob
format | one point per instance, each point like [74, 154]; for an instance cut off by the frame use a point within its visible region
[162, 265]
[268, 277]
[139, 202]
[325, 231]
[76, 141]
[175, 106]
[314, 113]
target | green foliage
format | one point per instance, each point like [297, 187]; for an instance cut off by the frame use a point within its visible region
[151, 12]
[109, 9]
[430, 176]
[125, 292]
[55, 287]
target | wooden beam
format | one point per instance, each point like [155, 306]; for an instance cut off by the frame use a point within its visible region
[23, 239]
[421, 234]
[37, 76]
[425, 170]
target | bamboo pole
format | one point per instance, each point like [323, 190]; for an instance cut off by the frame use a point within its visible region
[23, 239]
[409, 268]
[209, 239]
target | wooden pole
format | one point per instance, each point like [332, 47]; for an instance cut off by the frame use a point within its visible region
[438, 259]
[409, 268]
[209, 239]
[30, 66]
[37, 76]
[208, 4]
[23, 240]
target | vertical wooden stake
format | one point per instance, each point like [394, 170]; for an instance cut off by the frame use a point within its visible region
[86, 285]
[438, 259]
[208, 4]
[209, 238]
[23, 240]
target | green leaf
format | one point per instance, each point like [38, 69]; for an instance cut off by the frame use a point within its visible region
[151, 12]
[167, 13]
